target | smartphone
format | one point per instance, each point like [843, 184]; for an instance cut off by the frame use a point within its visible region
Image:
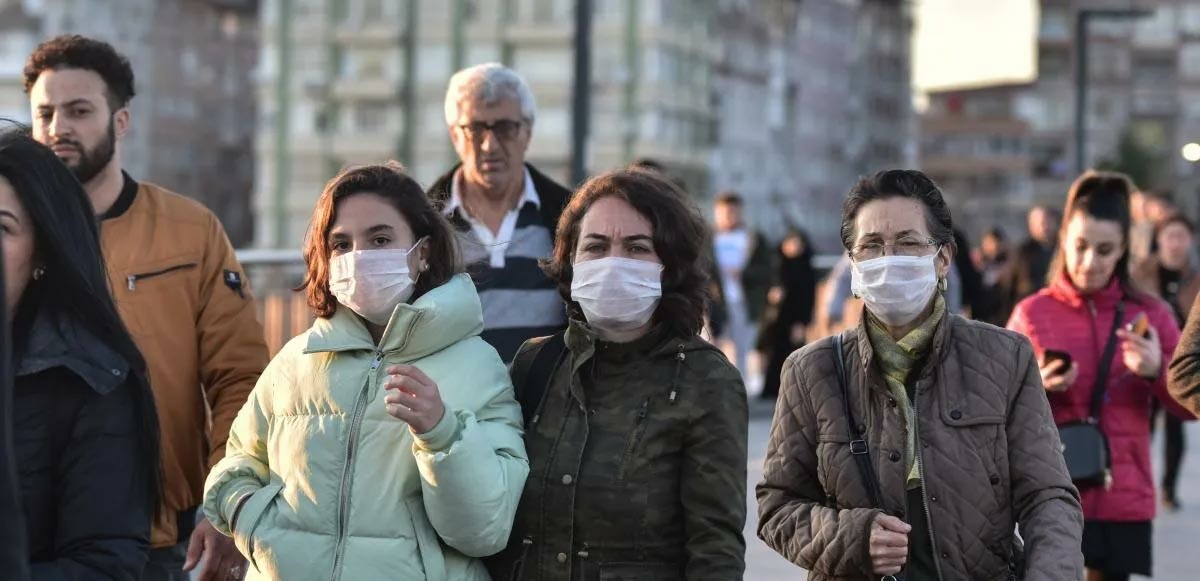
[1051, 355]
[1140, 326]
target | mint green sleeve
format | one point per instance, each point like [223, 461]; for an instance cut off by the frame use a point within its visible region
[244, 469]
[473, 464]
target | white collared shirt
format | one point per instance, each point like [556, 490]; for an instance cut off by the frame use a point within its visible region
[497, 244]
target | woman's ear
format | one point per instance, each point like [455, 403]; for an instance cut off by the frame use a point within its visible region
[945, 259]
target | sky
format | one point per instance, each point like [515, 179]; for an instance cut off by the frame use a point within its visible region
[966, 42]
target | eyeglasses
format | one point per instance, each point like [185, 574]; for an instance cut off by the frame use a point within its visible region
[902, 247]
[504, 129]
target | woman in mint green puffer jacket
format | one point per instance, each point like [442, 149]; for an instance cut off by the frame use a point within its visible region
[385, 442]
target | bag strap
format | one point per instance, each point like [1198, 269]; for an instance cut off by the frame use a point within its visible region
[1110, 349]
[531, 393]
[858, 447]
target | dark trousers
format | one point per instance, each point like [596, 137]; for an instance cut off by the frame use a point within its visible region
[166, 564]
[1173, 454]
[1173, 450]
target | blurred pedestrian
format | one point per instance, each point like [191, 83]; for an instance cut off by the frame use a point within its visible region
[636, 427]
[1031, 263]
[992, 260]
[86, 430]
[1169, 274]
[1097, 370]
[790, 308]
[744, 261]
[177, 284]
[503, 209]
[384, 442]
[915, 443]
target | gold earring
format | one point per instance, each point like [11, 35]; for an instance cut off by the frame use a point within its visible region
[943, 284]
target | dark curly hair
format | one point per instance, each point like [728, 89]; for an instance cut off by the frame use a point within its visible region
[900, 183]
[680, 239]
[72, 51]
[391, 182]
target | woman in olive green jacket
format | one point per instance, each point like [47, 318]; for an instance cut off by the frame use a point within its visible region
[384, 443]
[636, 426]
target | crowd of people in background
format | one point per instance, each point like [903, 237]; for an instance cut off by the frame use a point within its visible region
[507, 378]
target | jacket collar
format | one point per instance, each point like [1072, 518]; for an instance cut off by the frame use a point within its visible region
[551, 195]
[438, 319]
[56, 342]
[1063, 290]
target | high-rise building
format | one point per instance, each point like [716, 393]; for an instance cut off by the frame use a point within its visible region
[359, 81]
[1143, 82]
[976, 144]
[194, 113]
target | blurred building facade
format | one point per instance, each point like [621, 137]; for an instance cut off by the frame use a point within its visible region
[1143, 81]
[359, 81]
[977, 145]
[193, 60]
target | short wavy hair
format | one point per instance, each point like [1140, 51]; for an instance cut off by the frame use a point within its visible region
[72, 51]
[489, 83]
[391, 182]
[680, 236]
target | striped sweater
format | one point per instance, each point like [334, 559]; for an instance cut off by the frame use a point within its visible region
[519, 301]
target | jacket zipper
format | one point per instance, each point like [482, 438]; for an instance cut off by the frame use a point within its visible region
[131, 280]
[937, 564]
[638, 430]
[360, 406]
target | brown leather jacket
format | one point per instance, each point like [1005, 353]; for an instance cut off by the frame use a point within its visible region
[989, 450]
[184, 297]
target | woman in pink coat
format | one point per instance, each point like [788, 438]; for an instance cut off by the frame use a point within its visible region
[1075, 315]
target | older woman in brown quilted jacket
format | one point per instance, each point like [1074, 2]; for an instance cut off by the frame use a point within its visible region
[945, 442]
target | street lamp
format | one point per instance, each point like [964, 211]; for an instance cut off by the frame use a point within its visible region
[1081, 70]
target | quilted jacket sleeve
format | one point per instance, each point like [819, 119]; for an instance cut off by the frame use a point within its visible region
[1045, 502]
[473, 466]
[244, 468]
[1183, 378]
[792, 517]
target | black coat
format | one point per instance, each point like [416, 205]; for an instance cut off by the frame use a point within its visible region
[13, 555]
[87, 501]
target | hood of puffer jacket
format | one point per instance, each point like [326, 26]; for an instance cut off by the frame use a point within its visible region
[438, 319]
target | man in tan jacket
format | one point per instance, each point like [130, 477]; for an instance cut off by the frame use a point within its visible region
[177, 284]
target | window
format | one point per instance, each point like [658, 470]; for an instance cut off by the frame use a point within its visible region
[372, 116]
[1189, 19]
[1189, 61]
[1055, 25]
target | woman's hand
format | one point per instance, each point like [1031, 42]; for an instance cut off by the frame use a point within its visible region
[1055, 378]
[1142, 356]
[416, 399]
[889, 544]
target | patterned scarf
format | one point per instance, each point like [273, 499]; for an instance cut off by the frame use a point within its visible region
[898, 360]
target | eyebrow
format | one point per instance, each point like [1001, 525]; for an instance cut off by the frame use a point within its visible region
[631, 238]
[900, 234]
[70, 103]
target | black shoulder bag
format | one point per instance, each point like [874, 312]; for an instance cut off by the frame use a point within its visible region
[858, 442]
[532, 387]
[1084, 445]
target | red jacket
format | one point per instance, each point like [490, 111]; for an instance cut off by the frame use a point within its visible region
[1063, 319]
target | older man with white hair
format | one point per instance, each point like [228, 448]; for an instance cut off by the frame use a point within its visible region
[504, 210]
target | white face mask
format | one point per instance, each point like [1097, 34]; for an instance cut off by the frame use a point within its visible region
[372, 282]
[617, 294]
[896, 289]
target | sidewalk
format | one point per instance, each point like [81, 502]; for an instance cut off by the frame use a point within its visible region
[1176, 536]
